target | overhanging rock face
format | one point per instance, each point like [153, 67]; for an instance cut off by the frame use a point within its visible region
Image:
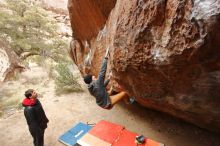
[166, 53]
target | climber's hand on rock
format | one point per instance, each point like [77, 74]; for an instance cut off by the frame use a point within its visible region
[110, 75]
[107, 54]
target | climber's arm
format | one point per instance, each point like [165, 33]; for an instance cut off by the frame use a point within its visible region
[102, 72]
[106, 82]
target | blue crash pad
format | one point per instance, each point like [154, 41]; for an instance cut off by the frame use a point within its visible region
[70, 137]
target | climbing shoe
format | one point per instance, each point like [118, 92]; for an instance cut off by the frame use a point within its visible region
[131, 100]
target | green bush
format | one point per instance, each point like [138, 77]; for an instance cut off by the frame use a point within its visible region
[65, 81]
[11, 103]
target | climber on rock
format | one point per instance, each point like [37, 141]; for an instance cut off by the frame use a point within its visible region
[97, 88]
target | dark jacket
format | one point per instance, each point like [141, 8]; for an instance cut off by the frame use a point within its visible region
[98, 88]
[35, 115]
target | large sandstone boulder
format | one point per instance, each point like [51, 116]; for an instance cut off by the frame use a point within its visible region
[166, 53]
[9, 63]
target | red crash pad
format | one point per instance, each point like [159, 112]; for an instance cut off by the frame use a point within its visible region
[106, 131]
[127, 138]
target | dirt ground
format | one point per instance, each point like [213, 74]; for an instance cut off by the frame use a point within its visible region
[67, 110]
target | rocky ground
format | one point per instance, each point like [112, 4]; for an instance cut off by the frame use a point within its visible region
[65, 111]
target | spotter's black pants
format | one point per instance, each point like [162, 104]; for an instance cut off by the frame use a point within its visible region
[38, 135]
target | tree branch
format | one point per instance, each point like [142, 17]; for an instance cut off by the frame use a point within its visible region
[25, 55]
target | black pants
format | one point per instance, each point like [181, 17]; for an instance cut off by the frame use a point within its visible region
[38, 135]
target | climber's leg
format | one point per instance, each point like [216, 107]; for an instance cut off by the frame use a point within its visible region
[126, 100]
[116, 98]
